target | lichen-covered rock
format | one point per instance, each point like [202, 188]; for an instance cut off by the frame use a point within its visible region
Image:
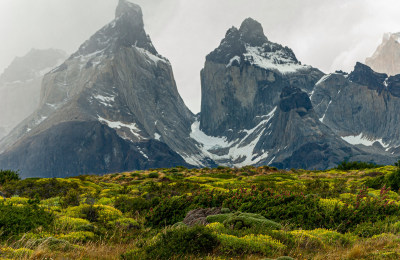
[199, 216]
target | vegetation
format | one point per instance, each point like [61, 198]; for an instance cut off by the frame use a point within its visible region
[350, 212]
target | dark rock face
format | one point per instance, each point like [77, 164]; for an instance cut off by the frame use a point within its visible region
[364, 105]
[364, 75]
[256, 106]
[73, 148]
[294, 98]
[243, 78]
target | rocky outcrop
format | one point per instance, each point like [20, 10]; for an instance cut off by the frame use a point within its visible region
[256, 107]
[243, 77]
[20, 86]
[386, 58]
[118, 81]
[361, 107]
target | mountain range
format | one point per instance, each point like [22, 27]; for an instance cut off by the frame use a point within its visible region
[114, 106]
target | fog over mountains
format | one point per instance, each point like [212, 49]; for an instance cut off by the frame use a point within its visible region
[114, 106]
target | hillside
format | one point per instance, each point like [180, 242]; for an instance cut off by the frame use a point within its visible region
[246, 213]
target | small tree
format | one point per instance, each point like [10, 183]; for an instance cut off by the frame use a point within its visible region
[8, 175]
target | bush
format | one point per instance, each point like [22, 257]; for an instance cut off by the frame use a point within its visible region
[72, 198]
[69, 223]
[197, 240]
[44, 188]
[346, 166]
[129, 204]
[393, 180]
[168, 212]
[79, 236]
[8, 175]
[249, 244]
[15, 220]
[125, 223]
[153, 175]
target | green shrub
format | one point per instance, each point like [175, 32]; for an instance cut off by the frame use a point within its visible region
[71, 198]
[69, 223]
[393, 180]
[125, 223]
[128, 204]
[78, 236]
[249, 244]
[154, 175]
[368, 229]
[197, 240]
[44, 188]
[169, 211]
[346, 166]
[15, 220]
[8, 175]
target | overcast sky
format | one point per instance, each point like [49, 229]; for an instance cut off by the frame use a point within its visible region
[327, 34]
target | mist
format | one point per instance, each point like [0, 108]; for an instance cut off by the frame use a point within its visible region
[329, 35]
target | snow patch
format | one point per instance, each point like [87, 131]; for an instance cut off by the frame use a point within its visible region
[323, 79]
[151, 58]
[105, 100]
[237, 150]
[157, 136]
[361, 139]
[236, 58]
[118, 125]
[326, 110]
[272, 60]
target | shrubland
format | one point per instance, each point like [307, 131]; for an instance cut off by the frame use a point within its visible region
[349, 212]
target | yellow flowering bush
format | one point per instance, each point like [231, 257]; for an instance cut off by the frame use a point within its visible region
[262, 244]
[331, 204]
[124, 223]
[16, 200]
[79, 236]
[216, 227]
[104, 213]
[70, 223]
[107, 213]
[306, 239]
[15, 253]
[330, 237]
[106, 201]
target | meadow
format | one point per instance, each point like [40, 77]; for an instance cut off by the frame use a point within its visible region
[349, 212]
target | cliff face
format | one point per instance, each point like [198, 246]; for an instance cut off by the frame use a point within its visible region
[256, 107]
[20, 86]
[361, 107]
[243, 77]
[117, 87]
[386, 58]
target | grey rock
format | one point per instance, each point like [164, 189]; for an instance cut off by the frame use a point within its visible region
[116, 79]
[364, 104]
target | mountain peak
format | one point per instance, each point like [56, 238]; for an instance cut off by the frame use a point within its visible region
[127, 8]
[126, 30]
[252, 32]
[387, 55]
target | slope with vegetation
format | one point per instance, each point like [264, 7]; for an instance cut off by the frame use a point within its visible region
[350, 212]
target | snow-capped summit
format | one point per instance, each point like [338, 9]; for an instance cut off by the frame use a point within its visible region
[248, 44]
[386, 58]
